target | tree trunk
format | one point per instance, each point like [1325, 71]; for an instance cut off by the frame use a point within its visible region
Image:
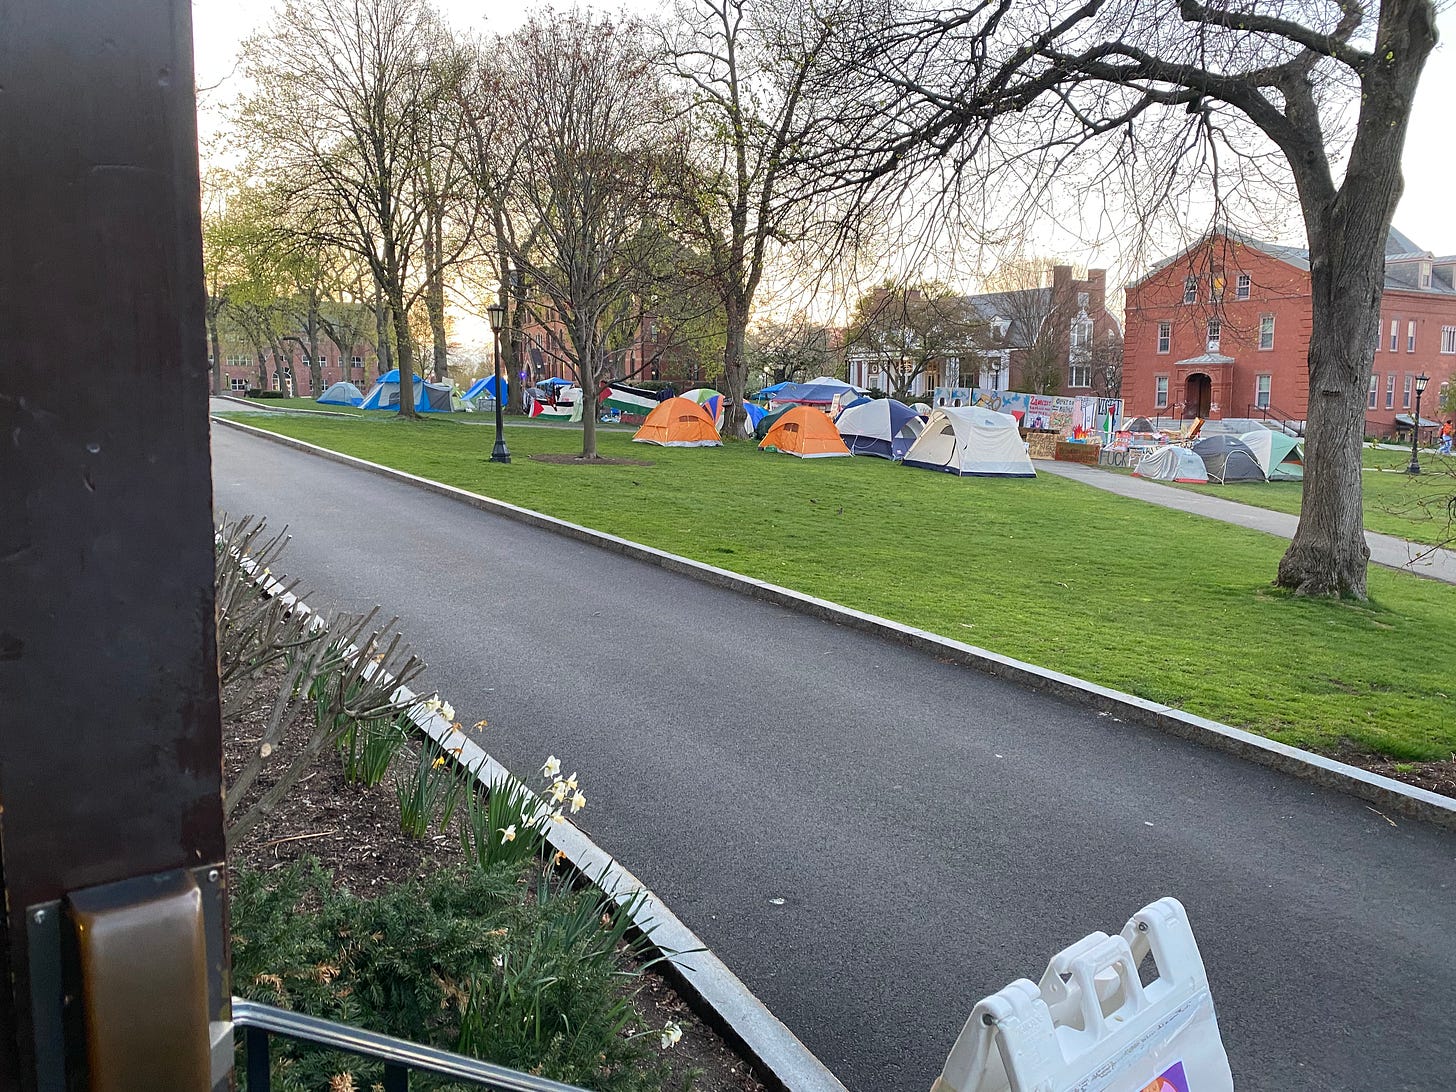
[403, 352]
[435, 297]
[512, 354]
[315, 366]
[735, 369]
[216, 351]
[381, 329]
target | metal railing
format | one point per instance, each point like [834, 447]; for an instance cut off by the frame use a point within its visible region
[1292, 425]
[400, 1057]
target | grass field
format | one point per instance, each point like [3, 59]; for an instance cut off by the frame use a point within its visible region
[1166, 605]
[1396, 503]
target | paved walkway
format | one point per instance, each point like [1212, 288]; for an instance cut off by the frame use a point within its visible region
[871, 839]
[1387, 550]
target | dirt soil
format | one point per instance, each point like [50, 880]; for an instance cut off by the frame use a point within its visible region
[577, 460]
[354, 833]
[1433, 776]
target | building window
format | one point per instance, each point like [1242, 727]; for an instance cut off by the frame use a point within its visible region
[1161, 398]
[1242, 286]
[237, 383]
[1390, 391]
[1081, 335]
[1394, 335]
[1262, 384]
[1165, 336]
[1190, 290]
[1079, 375]
[1266, 331]
[1405, 394]
[1374, 391]
[356, 362]
[1410, 336]
[1215, 331]
[1448, 339]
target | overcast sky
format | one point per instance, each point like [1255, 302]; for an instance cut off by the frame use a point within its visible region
[1427, 212]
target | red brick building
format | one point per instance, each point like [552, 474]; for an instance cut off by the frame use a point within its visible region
[1222, 330]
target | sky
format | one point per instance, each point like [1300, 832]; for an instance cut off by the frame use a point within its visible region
[1427, 211]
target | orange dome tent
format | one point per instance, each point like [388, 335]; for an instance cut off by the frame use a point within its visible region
[806, 432]
[678, 422]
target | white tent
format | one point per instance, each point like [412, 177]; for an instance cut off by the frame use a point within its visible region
[1172, 464]
[971, 440]
[830, 381]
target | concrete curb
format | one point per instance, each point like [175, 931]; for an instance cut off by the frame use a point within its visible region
[1396, 796]
[726, 1003]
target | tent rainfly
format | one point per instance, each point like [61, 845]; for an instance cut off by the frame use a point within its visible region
[429, 397]
[880, 426]
[971, 440]
[1279, 455]
[342, 394]
[1228, 459]
[806, 432]
[1172, 464]
[485, 388]
[678, 422]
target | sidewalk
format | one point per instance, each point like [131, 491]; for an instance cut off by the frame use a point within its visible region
[1396, 553]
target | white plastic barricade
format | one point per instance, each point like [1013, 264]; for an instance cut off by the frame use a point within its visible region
[1092, 1026]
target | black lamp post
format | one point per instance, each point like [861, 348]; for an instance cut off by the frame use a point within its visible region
[996, 374]
[1415, 463]
[498, 454]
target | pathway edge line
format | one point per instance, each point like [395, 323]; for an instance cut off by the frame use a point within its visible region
[1410, 801]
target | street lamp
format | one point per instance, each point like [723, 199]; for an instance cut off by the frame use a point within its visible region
[996, 374]
[1415, 464]
[498, 454]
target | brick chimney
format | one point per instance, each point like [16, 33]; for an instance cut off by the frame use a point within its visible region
[1096, 291]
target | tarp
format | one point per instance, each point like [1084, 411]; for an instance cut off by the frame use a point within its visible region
[971, 440]
[429, 397]
[342, 394]
[810, 394]
[831, 381]
[1280, 457]
[806, 432]
[1171, 464]
[1228, 459]
[678, 422]
[485, 388]
[880, 426]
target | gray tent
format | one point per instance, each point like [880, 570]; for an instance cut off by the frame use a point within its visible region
[1228, 459]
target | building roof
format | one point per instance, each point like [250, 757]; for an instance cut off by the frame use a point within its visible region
[1402, 261]
[1020, 308]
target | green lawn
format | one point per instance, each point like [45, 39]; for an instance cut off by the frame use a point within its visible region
[1166, 605]
[1396, 503]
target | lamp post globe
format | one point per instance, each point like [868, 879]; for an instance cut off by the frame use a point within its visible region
[1415, 463]
[498, 454]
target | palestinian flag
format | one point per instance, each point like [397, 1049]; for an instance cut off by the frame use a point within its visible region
[627, 399]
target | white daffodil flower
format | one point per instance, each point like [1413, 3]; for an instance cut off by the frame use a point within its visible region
[552, 767]
[447, 711]
[508, 834]
[571, 781]
[577, 803]
[671, 1034]
[558, 792]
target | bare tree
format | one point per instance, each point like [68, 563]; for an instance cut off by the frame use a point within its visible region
[908, 329]
[787, 350]
[749, 65]
[586, 178]
[1236, 93]
[345, 119]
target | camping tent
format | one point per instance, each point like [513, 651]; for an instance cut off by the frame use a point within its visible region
[768, 420]
[678, 422]
[1279, 455]
[342, 394]
[806, 432]
[1171, 464]
[429, 397]
[812, 394]
[485, 388]
[882, 427]
[1137, 424]
[971, 440]
[1228, 459]
[830, 381]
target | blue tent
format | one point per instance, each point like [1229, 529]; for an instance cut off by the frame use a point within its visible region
[770, 391]
[342, 394]
[485, 388]
[881, 426]
[429, 397]
[807, 394]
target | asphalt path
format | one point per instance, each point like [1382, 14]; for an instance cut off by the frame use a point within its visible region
[871, 839]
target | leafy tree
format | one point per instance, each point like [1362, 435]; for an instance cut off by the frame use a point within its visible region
[787, 350]
[908, 329]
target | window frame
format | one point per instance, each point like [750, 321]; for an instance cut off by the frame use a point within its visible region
[1390, 390]
[1448, 340]
[1264, 398]
[1410, 336]
[1407, 391]
[1242, 286]
[1374, 400]
[1266, 321]
[1075, 366]
[1395, 335]
[1160, 392]
[1165, 337]
[1214, 330]
[1190, 289]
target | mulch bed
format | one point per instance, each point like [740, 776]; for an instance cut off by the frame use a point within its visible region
[1433, 776]
[577, 460]
[354, 833]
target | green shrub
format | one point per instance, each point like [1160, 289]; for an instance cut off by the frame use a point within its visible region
[473, 961]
